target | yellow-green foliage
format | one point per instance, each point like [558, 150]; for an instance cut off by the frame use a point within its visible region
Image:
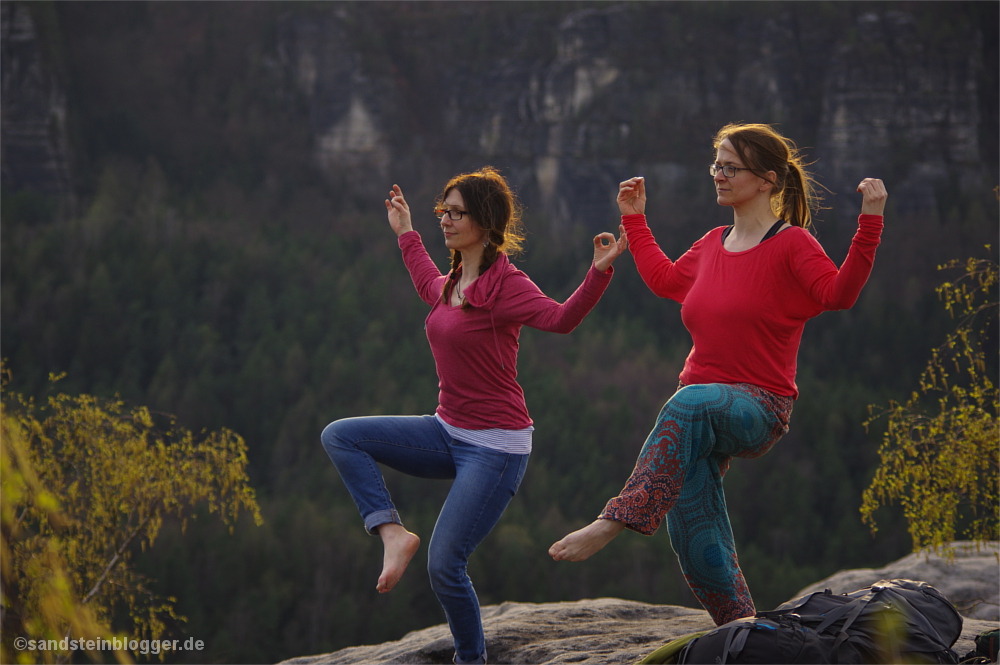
[85, 482]
[54, 609]
[940, 456]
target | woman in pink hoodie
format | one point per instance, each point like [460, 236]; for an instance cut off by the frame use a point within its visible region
[480, 434]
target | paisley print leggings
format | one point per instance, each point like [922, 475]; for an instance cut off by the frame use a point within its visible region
[679, 475]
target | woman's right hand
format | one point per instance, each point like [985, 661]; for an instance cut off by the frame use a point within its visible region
[399, 211]
[632, 196]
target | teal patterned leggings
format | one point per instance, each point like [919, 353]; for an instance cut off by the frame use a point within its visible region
[679, 475]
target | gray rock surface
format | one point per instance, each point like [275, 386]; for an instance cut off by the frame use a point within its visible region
[970, 580]
[611, 630]
[603, 630]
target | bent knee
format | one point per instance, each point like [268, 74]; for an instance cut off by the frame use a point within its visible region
[697, 393]
[332, 435]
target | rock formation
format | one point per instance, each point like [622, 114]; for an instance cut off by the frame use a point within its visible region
[970, 580]
[33, 127]
[578, 99]
[603, 630]
[611, 630]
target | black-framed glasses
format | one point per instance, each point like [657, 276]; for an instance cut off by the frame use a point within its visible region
[453, 215]
[727, 170]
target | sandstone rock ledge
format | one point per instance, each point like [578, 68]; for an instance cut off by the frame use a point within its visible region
[603, 630]
[610, 630]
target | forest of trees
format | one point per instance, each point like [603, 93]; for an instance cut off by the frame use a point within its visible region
[207, 270]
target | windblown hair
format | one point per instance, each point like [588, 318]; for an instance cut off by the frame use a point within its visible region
[794, 197]
[493, 207]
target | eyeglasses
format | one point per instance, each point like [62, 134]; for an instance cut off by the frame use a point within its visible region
[453, 215]
[727, 170]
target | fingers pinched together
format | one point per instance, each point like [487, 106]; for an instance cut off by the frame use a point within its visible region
[632, 196]
[873, 196]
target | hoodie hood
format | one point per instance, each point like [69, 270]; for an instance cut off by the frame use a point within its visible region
[483, 292]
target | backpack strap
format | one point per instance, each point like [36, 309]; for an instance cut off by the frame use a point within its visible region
[739, 641]
[735, 641]
[858, 605]
[834, 615]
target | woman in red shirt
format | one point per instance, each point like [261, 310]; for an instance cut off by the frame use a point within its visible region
[480, 434]
[746, 292]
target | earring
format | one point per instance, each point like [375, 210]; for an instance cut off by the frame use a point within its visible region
[486, 243]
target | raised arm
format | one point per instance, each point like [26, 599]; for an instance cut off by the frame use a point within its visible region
[839, 289]
[665, 278]
[427, 279]
[399, 211]
[526, 304]
[533, 308]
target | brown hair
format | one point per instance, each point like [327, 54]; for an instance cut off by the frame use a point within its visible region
[794, 197]
[494, 208]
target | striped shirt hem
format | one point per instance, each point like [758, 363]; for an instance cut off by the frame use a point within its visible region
[511, 441]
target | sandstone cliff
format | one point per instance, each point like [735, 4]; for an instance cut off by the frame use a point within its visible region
[579, 99]
[568, 99]
[32, 110]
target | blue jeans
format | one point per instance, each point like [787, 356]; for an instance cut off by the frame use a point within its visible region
[485, 481]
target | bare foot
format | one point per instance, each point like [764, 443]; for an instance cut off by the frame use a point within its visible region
[581, 544]
[400, 546]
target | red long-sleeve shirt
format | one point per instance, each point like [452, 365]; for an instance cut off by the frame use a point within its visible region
[475, 348]
[746, 310]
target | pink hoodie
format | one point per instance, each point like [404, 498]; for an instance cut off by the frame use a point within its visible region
[475, 349]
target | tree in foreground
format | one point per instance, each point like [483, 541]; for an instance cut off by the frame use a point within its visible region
[939, 454]
[86, 483]
[55, 606]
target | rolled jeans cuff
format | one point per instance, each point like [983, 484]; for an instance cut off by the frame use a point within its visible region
[380, 517]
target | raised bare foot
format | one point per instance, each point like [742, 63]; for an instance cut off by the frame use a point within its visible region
[581, 544]
[400, 546]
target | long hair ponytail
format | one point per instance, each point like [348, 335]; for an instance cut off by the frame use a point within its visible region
[794, 197]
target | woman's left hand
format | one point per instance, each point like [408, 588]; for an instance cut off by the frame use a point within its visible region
[873, 196]
[398, 211]
[605, 254]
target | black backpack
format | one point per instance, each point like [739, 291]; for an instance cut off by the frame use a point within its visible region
[892, 621]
